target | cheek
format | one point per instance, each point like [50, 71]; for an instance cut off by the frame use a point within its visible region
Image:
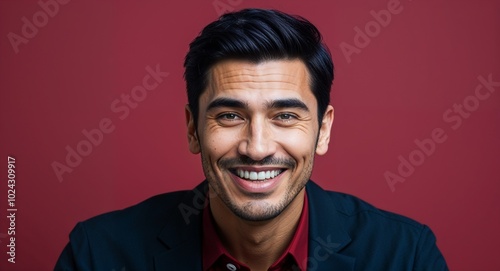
[298, 143]
[217, 143]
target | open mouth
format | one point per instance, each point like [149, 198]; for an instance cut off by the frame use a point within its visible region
[257, 175]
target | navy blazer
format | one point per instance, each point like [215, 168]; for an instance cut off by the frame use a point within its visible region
[165, 233]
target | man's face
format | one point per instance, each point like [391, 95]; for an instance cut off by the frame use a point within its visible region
[257, 133]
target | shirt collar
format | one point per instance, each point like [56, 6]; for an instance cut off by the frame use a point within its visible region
[213, 249]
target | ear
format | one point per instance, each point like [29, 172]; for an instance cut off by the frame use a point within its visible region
[194, 144]
[324, 131]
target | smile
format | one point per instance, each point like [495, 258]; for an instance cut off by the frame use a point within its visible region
[258, 175]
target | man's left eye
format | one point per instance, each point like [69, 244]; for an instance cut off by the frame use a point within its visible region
[286, 117]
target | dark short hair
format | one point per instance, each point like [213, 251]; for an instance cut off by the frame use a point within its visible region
[258, 35]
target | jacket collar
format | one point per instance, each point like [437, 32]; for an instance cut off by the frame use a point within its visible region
[327, 234]
[182, 234]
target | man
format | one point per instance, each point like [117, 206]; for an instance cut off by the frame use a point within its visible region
[258, 84]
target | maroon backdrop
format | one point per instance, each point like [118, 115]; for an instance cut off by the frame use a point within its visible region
[416, 130]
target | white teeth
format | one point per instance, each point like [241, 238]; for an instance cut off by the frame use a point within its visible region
[254, 175]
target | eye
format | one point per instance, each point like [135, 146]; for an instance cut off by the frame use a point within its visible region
[228, 116]
[286, 118]
[229, 119]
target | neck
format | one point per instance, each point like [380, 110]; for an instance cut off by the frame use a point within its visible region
[257, 244]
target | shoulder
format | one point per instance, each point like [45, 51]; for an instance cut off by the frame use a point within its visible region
[354, 208]
[366, 225]
[147, 212]
[130, 236]
[137, 225]
[150, 216]
[355, 212]
[375, 237]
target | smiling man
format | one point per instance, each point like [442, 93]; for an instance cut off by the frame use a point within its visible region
[258, 84]
[257, 140]
[258, 137]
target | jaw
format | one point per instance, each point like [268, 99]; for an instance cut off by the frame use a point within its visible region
[256, 209]
[237, 194]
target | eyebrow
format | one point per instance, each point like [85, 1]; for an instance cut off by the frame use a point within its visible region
[281, 103]
[226, 102]
[289, 103]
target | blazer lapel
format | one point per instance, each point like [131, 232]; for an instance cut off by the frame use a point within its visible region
[327, 234]
[182, 235]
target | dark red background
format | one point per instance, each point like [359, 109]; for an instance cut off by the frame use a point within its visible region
[394, 91]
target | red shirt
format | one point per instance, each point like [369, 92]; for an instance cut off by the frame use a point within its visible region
[216, 258]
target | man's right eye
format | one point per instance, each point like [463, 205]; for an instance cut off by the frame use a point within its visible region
[229, 118]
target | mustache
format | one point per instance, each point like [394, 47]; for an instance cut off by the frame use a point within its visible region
[247, 161]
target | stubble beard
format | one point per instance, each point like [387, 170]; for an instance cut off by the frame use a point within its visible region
[258, 209]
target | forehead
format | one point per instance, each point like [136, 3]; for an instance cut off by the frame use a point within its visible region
[265, 80]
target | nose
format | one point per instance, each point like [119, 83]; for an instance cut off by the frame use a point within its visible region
[258, 140]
